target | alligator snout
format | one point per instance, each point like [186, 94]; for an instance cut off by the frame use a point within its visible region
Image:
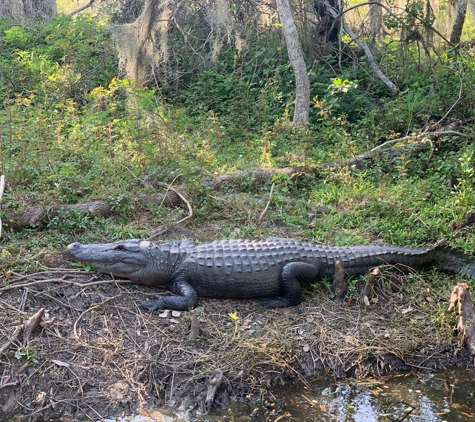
[75, 249]
[73, 246]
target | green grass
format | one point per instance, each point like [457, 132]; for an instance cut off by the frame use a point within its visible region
[72, 132]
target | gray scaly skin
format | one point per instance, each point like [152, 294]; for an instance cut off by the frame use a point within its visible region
[273, 270]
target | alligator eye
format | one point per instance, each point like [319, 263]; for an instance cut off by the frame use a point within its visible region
[119, 248]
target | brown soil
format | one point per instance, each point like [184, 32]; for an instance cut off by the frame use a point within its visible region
[97, 355]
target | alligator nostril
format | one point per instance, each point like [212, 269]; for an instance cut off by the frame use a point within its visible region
[72, 246]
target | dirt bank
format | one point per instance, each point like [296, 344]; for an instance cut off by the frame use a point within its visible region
[97, 355]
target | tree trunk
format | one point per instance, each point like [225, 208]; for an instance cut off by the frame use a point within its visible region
[375, 20]
[24, 11]
[459, 21]
[302, 82]
[328, 28]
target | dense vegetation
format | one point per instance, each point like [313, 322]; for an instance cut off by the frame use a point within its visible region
[72, 130]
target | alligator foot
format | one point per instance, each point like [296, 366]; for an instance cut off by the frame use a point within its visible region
[152, 304]
[275, 302]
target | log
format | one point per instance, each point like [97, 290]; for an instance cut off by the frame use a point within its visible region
[35, 214]
[298, 173]
[468, 220]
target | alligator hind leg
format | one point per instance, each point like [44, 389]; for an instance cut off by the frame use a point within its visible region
[292, 278]
[185, 300]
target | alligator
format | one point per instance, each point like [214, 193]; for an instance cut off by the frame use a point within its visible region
[273, 271]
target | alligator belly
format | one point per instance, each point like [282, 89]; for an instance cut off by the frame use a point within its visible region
[235, 285]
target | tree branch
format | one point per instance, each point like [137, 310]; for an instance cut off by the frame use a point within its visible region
[365, 48]
[74, 12]
[371, 3]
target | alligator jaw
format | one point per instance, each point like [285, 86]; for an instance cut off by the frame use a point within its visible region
[122, 259]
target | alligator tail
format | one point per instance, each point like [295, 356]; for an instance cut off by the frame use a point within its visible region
[454, 261]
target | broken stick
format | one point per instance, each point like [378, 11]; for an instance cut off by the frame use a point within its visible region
[24, 332]
[367, 293]
[194, 328]
[339, 283]
[466, 323]
[213, 385]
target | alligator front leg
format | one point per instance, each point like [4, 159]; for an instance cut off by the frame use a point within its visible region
[185, 300]
[292, 278]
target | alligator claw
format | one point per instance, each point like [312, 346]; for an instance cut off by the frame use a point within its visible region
[151, 304]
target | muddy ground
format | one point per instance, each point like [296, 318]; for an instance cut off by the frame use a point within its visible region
[97, 355]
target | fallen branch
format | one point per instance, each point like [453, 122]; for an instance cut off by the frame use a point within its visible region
[416, 136]
[74, 12]
[35, 214]
[61, 280]
[466, 323]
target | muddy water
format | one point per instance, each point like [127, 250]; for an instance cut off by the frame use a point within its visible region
[442, 396]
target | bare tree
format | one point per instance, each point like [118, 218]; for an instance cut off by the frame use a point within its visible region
[23, 11]
[302, 82]
[456, 33]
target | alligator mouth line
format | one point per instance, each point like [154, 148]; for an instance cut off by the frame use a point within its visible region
[102, 264]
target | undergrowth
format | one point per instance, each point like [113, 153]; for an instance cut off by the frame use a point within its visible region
[72, 131]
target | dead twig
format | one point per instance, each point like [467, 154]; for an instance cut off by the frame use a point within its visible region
[24, 298]
[264, 212]
[190, 213]
[89, 310]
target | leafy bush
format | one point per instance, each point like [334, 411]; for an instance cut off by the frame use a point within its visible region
[64, 58]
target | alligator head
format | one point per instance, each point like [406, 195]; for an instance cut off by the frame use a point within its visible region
[138, 260]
